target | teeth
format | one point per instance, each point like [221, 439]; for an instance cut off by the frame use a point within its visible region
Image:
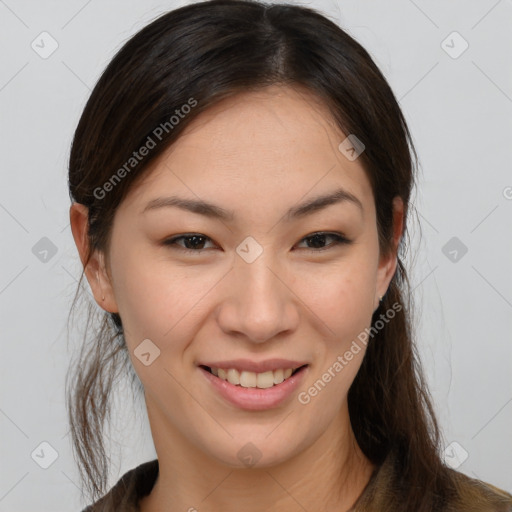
[247, 379]
[265, 380]
[251, 379]
[233, 376]
[278, 376]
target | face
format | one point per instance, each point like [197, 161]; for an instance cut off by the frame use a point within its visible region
[251, 284]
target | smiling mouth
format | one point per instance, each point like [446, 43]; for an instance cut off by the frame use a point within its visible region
[248, 379]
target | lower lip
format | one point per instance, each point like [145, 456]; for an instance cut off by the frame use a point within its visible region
[256, 399]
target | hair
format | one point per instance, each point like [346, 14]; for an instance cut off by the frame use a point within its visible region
[198, 55]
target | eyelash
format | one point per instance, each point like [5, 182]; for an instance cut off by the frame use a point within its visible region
[339, 239]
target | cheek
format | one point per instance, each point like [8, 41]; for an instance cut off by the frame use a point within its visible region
[342, 296]
[158, 302]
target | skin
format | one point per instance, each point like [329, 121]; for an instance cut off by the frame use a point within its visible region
[257, 154]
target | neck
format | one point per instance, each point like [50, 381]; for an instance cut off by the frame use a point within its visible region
[328, 475]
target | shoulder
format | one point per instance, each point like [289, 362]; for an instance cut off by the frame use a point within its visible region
[388, 490]
[471, 494]
[126, 493]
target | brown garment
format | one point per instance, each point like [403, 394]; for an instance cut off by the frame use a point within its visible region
[379, 495]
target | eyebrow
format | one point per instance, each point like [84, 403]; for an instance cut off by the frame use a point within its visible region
[339, 195]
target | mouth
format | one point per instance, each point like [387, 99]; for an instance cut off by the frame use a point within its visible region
[248, 379]
[269, 389]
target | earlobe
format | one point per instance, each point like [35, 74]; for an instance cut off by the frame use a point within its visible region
[104, 294]
[94, 268]
[398, 222]
[389, 262]
[78, 217]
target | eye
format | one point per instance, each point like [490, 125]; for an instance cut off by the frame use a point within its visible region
[318, 241]
[195, 242]
[192, 242]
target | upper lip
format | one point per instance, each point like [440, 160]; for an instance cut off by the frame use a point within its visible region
[254, 366]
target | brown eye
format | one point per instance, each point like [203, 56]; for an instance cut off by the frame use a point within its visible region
[318, 241]
[194, 242]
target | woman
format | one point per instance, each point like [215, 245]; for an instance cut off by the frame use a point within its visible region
[240, 180]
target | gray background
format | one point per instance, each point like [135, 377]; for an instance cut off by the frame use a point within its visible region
[459, 111]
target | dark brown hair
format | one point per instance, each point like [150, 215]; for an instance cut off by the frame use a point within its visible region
[206, 52]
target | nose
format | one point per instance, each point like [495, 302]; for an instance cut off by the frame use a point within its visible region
[258, 302]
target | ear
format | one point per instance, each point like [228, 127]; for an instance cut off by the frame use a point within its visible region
[388, 262]
[95, 270]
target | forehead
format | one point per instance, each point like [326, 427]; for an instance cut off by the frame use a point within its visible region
[278, 140]
[274, 121]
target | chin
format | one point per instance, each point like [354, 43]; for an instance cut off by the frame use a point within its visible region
[247, 450]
